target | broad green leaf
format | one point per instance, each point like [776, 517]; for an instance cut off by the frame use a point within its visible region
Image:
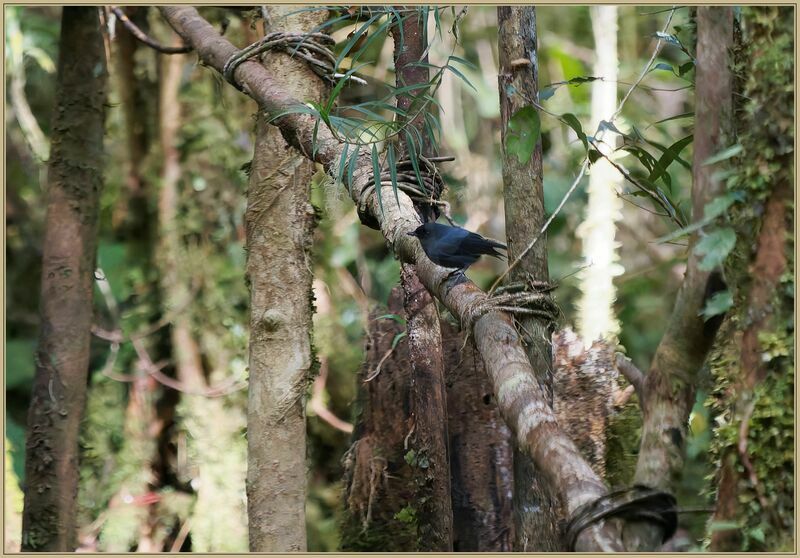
[720, 205]
[399, 319]
[523, 132]
[715, 247]
[582, 79]
[685, 68]
[397, 339]
[663, 66]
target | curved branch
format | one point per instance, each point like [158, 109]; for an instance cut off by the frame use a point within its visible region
[144, 38]
[627, 368]
[520, 398]
[669, 388]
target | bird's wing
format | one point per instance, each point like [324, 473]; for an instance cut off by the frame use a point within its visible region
[476, 244]
[449, 243]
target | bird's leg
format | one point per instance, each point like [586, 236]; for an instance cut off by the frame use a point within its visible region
[456, 277]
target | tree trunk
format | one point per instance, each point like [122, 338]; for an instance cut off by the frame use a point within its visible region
[536, 510]
[428, 400]
[669, 388]
[379, 487]
[754, 366]
[481, 457]
[62, 359]
[279, 222]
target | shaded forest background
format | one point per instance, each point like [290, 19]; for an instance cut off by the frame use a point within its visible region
[163, 460]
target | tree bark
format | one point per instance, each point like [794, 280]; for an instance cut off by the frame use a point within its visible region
[536, 510]
[379, 480]
[521, 400]
[669, 388]
[279, 222]
[70, 241]
[754, 366]
[428, 399]
[481, 457]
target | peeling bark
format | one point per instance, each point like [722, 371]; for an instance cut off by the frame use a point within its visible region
[536, 510]
[669, 388]
[70, 240]
[582, 393]
[279, 220]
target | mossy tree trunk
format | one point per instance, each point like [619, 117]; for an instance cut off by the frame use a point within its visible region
[279, 222]
[754, 362]
[536, 510]
[62, 359]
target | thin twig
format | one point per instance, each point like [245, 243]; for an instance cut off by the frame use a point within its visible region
[378, 368]
[599, 135]
[631, 372]
[142, 36]
[317, 404]
[223, 388]
[182, 534]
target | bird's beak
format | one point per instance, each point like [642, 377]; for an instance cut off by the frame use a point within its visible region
[412, 233]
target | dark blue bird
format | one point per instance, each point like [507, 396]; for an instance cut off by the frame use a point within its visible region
[453, 246]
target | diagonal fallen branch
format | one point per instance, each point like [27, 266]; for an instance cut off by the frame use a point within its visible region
[519, 396]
